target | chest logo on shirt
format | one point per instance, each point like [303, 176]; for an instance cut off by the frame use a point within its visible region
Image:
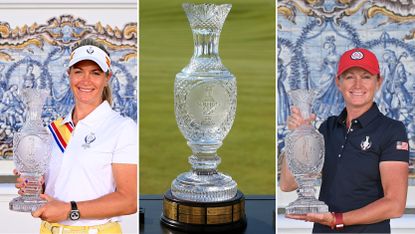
[88, 140]
[366, 143]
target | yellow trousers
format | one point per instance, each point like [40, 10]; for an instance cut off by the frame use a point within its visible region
[55, 228]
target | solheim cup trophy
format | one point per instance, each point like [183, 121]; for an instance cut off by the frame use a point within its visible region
[31, 151]
[304, 148]
[204, 199]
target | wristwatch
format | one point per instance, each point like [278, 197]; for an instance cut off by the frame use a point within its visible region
[74, 213]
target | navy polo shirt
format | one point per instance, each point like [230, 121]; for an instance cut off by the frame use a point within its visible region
[351, 176]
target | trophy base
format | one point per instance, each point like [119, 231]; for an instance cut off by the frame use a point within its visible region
[191, 186]
[213, 217]
[21, 204]
[305, 206]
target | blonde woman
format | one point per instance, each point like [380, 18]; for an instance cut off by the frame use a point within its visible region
[92, 175]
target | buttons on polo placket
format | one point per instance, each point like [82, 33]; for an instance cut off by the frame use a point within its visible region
[345, 137]
[342, 147]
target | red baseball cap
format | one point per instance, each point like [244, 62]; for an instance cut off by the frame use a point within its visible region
[358, 57]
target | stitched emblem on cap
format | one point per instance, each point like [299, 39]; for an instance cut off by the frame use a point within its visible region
[357, 55]
[90, 50]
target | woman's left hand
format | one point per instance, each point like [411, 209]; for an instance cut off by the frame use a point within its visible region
[322, 218]
[53, 211]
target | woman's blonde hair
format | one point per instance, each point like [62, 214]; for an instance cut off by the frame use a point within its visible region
[106, 93]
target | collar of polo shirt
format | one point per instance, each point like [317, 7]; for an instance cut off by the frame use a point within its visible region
[94, 118]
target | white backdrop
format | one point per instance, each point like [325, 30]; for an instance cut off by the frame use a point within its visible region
[114, 13]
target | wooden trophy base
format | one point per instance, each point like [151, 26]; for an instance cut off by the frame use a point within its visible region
[201, 217]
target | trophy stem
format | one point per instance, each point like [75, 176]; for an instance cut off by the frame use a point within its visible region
[203, 165]
[307, 191]
[30, 201]
[306, 201]
[33, 186]
[204, 159]
[204, 183]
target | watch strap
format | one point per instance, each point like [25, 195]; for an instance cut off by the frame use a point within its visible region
[74, 206]
[74, 213]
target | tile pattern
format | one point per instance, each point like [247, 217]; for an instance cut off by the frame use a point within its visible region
[37, 56]
[312, 34]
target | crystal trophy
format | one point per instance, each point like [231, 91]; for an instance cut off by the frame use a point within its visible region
[205, 105]
[305, 157]
[31, 152]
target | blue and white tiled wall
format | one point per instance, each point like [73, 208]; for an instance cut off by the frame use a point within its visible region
[312, 34]
[36, 55]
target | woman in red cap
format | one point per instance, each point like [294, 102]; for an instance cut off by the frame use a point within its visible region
[365, 172]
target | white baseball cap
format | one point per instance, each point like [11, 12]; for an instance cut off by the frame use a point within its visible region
[93, 53]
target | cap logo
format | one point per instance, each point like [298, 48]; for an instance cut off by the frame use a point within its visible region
[90, 50]
[357, 55]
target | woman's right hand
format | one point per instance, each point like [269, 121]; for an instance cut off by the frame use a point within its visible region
[295, 120]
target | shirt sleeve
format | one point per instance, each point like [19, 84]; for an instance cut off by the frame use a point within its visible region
[396, 146]
[126, 149]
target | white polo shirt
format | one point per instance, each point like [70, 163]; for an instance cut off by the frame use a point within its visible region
[84, 170]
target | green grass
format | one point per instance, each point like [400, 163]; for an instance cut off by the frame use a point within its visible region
[247, 48]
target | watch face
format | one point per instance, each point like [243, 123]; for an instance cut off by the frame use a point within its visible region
[74, 215]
